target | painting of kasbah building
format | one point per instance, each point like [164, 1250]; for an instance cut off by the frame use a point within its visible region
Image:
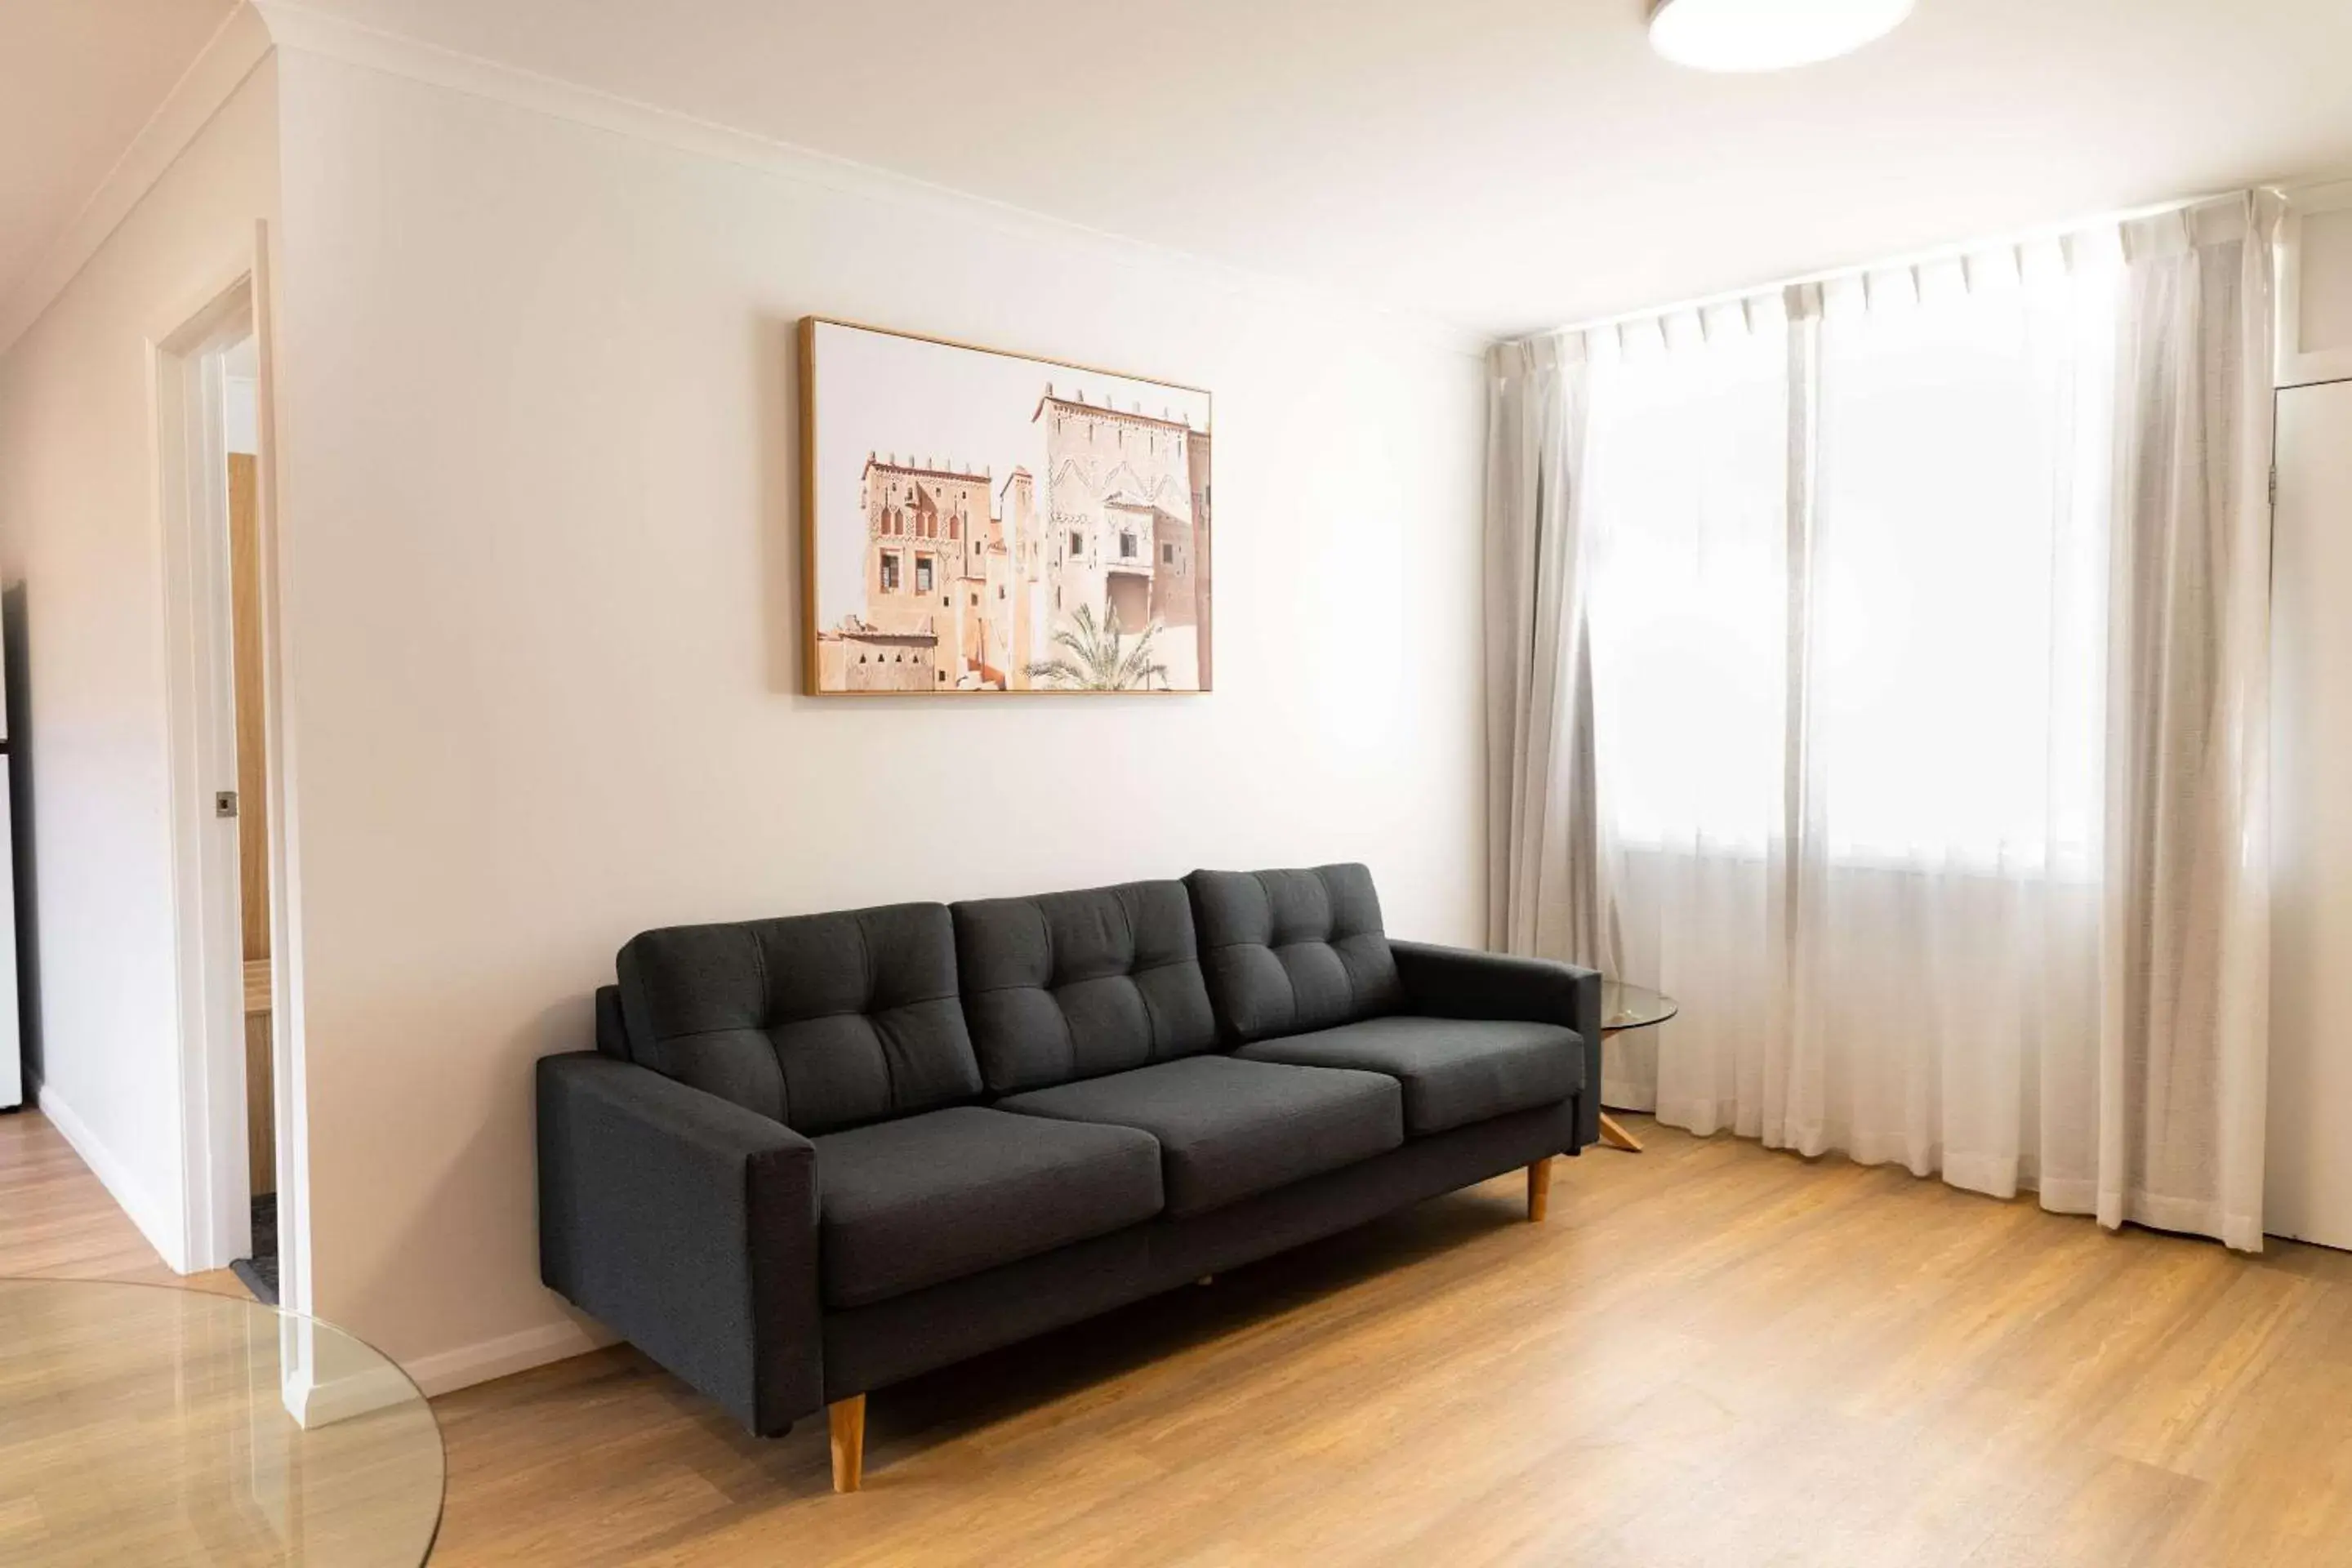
[976, 522]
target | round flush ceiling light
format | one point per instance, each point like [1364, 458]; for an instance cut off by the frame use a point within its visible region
[1767, 34]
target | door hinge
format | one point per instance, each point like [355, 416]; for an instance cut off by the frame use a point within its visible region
[224, 802]
[2273, 487]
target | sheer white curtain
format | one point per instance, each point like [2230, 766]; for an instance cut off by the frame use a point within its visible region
[1926, 621]
[2185, 1055]
[1545, 828]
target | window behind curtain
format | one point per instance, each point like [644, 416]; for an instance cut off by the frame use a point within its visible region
[1929, 675]
[1688, 465]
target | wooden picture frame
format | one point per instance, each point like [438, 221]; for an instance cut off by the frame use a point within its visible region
[980, 523]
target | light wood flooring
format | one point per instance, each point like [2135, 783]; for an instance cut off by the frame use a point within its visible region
[57, 1222]
[1707, 1354]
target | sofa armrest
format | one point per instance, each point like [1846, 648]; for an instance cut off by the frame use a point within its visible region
[689, 1224]
[1463, 982]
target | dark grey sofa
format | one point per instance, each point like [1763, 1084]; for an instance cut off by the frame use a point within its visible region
[817, 1155]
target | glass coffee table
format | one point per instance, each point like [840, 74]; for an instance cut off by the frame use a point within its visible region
[145, 1423]
[1628, 1006]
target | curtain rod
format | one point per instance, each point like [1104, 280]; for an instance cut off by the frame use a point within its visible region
[1910, 259]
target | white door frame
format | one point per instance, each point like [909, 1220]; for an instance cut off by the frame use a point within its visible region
[189, 384]
[187, 367]
[288, 1099]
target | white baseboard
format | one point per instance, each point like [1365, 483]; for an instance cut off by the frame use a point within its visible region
[156, 1222]
[465, 1365]
[316, 1402]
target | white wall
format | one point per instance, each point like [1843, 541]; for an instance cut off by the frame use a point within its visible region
[80, 534]
[542, 582]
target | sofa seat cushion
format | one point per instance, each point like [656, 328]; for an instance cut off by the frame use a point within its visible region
[902, 1204]
[1228, 1129]
[1454, 1071]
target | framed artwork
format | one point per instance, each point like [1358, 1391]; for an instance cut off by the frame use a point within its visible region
[976, 521]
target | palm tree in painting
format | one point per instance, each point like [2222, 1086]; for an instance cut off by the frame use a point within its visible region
[1091, 659]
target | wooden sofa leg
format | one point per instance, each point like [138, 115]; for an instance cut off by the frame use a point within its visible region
[846, 1417]
[1539, 1190]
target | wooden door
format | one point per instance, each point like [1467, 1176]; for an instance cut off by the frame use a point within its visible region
[253, 821]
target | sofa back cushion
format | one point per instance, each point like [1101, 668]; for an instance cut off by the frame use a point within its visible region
[819, 1021]
[1286, 951]
[1060, 986]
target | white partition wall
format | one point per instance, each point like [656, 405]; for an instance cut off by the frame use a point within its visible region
[2309, 1189]
[2308, 1192]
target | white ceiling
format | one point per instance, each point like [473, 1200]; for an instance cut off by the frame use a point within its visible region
[77, 80]
[1503, 163]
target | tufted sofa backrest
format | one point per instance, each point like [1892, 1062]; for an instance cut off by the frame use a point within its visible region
[1059, 986]
[819, 1021]
[1288, 952]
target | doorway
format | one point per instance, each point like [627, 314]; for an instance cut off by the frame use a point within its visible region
[212, 426]
[241, 407]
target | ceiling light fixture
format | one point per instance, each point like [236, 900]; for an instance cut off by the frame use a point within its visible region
[1767, 34]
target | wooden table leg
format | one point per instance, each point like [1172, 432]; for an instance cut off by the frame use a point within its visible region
[1612, 1132]
[846, 1417]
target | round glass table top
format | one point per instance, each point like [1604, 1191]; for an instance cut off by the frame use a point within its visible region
[1628, 1006]
[148, 1424]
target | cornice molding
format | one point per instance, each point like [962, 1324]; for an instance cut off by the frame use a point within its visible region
[240, 44]
[301, 28]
